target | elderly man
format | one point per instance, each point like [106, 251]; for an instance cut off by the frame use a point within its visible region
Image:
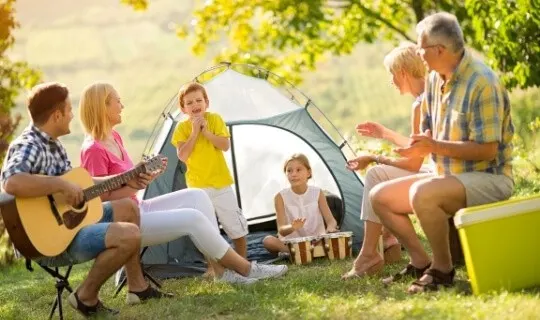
[467, 129]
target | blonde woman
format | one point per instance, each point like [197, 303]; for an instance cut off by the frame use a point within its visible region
[408, 76]
[166, 217]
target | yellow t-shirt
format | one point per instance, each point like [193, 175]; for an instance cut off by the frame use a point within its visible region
[206, 166]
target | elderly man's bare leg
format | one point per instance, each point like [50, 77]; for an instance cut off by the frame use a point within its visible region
[434, 200]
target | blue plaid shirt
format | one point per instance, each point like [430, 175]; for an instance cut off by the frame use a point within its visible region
[35, 152]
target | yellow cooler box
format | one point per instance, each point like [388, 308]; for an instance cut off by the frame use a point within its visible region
[501, 244]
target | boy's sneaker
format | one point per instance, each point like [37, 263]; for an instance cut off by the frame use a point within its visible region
[88, 311]
[148, 293]
[263, 271]
[233, 277]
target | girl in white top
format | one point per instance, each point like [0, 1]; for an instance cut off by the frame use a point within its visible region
[301, 210]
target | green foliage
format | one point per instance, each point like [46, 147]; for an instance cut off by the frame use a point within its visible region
[289, 37]
[526, 160]
[508, 33]
[526, 118]
[14, 76]
[136, 4]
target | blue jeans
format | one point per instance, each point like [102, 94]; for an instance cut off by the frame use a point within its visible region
[87, 244]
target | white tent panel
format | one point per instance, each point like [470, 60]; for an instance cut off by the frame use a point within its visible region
[260, 153]
[239, 97]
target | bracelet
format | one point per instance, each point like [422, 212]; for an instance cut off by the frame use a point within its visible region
[378, 159]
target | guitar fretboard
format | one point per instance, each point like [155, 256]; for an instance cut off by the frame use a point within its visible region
[112, 183]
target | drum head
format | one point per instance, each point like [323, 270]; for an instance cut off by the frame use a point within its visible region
[343, 234]
[299, 239]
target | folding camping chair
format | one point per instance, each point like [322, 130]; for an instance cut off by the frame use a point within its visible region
[61, 282]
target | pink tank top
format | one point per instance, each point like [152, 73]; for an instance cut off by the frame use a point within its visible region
[99, 161]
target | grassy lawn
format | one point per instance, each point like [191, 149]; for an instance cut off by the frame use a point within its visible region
[147, 64]
[312, 292]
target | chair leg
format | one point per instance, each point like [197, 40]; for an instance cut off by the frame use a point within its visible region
[60, 289]
[53, 309]
[61, 284]
[145, 274]
[154, 281]
[120, 286]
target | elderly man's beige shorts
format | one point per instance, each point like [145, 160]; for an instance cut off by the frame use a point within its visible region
[483, 187]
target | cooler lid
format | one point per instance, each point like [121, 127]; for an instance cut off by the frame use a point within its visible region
[467, 216]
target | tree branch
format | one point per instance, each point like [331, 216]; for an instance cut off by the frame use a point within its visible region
[418, 8]
[342, 4]
[377, 16]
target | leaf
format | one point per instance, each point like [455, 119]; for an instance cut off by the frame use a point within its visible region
[295, 35]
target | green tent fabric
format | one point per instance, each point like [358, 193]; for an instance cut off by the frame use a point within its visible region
[268, 120]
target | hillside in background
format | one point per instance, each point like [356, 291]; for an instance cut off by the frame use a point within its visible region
[78, 42]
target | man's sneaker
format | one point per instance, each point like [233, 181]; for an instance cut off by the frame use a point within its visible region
[149, 293]
[263, 271]
[233, 277]
[88, 311]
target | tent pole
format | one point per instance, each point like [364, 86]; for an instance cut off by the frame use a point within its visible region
[235, 172]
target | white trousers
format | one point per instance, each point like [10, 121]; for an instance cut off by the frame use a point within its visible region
[378, 174]
[187, 212]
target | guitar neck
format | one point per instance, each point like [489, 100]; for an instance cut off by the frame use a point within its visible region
[113, 183]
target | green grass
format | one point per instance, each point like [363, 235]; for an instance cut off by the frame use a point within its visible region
[306, 292]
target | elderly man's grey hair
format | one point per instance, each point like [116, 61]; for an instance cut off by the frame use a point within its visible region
[442, 28]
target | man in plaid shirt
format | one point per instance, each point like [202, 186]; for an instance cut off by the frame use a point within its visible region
[31, 168]
[467, 130]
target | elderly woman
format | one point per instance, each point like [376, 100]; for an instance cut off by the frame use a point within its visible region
[163, 218]
[408, 76]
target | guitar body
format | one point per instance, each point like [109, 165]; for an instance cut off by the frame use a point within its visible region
[45, 226]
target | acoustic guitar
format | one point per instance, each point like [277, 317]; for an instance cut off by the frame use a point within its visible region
[45, 226]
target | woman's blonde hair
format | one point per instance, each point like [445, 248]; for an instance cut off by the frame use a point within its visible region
[93, 109]
[300, 157]
[404, 58]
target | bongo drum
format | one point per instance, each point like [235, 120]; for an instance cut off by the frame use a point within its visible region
[301, 249]
[338, 245]
[317, 245]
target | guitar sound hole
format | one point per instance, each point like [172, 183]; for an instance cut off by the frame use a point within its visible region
[72, 219]
[79, 206]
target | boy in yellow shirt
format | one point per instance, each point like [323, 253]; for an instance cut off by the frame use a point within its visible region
[200, 142]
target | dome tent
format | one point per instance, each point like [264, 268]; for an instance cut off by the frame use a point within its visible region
[268, 120]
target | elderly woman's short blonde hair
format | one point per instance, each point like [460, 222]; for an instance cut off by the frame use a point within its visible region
[404, 58]
[93, 109]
